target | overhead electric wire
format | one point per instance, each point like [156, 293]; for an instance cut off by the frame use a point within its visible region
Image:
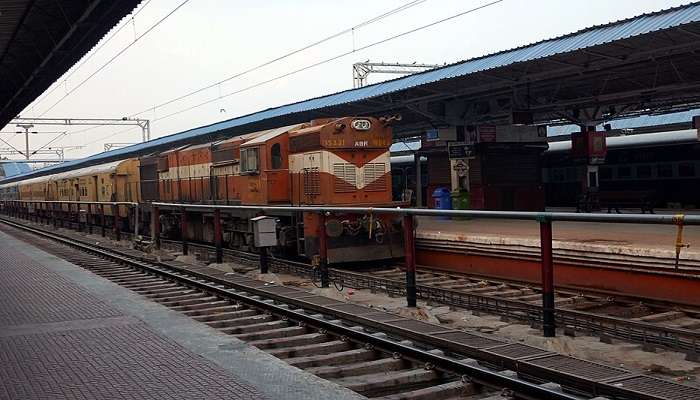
[89, 56]
[399, 35]
[269, 62]
[114, 57]
[286, 55]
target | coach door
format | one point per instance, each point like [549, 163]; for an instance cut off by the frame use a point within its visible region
[277, 175]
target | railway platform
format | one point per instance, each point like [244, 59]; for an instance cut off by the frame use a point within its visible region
[620, 258]
[66, 333]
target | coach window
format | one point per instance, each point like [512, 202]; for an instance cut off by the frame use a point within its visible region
[249, 160]
[686, 170]
[276, 156]
[643, 171]
[664, 171]
[623, 172]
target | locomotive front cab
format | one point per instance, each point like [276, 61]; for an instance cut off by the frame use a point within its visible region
[345, 162]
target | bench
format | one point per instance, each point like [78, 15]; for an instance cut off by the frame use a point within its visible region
[616, 199]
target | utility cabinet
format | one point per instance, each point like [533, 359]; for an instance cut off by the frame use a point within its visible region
[264, 231]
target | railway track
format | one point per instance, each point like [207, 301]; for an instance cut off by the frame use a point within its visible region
[652, 324]
[377, 354]
[579, 311]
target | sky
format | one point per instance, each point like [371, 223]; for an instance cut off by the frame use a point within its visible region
[139, 66]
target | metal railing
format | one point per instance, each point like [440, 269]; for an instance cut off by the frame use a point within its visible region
[544, 219]
[101, 204]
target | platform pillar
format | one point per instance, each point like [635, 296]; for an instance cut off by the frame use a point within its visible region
[548, 318]
[419, 183]
[323, 250]
[155, 226]
[54, 215]
[410, 260]
[183, 231]
[218, 239]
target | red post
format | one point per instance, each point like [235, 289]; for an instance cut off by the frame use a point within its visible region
[548, 318]
[323, 250]
[155, 222]
[218, 239]
[102, 219]
[77, 206]
[88, 217]
[183, 231]
[410, 260]
[115, 222]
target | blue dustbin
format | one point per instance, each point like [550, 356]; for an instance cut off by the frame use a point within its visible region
[443, 199]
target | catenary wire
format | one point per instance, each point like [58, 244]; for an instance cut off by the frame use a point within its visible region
[89, 56]
[327, 60]
[113, 58]
[370, 21]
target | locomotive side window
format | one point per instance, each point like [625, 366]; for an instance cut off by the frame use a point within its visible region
[276, 156]
[249, 160]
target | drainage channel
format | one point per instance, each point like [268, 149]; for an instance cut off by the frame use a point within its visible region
[375, 353]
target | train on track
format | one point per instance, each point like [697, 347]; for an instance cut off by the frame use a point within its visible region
[335, 161]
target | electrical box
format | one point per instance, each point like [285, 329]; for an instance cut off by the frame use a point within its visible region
[264, 231]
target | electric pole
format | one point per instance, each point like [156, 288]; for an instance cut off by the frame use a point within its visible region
[26, 128]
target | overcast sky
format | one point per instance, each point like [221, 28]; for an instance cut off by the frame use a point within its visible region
[206, 41]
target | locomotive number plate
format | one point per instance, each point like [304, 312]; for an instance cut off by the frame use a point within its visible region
[361, 124]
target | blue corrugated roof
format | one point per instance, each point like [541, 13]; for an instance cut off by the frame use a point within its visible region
[593, 36]
[10, 168]
[633, 122]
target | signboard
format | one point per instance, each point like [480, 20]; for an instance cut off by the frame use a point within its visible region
[461, 168]
[487, 133]
[512, 133]
[458, 151]
[432, 135]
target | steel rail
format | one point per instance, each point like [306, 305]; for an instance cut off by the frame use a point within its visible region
[475, 373]
[614, 327]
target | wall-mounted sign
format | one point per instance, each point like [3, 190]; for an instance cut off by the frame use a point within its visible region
[458, 151]
[487, 133]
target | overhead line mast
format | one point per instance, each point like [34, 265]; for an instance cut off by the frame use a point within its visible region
[361, 70]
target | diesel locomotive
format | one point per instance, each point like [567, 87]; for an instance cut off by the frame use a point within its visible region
[335, 162]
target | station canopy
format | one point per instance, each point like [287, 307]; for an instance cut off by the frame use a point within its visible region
[41, 39]
[646, 63]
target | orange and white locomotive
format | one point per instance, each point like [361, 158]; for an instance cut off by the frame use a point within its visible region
[336, 162]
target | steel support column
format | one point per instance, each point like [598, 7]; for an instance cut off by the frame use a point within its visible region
[102, 220]
[155, 226]
[218, 239]
[115, 222]
[419, 183]
[548, 319]
[264, 262]
[410, 260]
[88, 218]
[323, 250]
[183, 231]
